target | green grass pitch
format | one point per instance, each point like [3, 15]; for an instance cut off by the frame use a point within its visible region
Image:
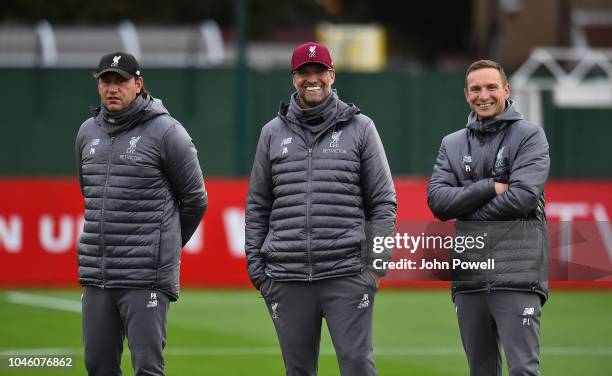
[225, 333]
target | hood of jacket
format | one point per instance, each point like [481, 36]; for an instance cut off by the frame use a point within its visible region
[334, 110]
[142, 109]
[496, 123]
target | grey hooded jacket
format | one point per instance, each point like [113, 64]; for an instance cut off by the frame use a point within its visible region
[505, 149]
[313, 208]
[144, 198]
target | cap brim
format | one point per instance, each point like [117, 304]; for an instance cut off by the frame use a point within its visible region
[121, 72]
[312, 61]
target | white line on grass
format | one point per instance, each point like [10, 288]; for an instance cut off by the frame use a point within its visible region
[43, 301]
[384, 351]
[65, 351]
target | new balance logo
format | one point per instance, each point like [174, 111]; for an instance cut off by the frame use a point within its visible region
[95, 142]
[152, 300]
[467, 159]
[364, 303]
[286, 141]
[528, 311]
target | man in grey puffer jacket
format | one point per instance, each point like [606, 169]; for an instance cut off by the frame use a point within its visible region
[144, 198]
[320, 190]
[490, 177]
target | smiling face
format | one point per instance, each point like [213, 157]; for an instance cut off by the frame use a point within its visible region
[486, 92]
[313, 83]
[116, 92]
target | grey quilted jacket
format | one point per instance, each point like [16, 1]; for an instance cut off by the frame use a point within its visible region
[144, 198]
[312, 209]
[505, 149]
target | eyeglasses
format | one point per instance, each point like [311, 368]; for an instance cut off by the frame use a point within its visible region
[319, 72]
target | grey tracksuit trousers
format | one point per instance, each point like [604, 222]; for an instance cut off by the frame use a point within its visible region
[109, 315]
[346, 303]
[507, 318]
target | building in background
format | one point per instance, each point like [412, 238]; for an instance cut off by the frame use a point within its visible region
[508, 30]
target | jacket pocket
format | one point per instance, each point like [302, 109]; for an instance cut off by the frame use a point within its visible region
[266, 287]
[266, 244]
[369, 279]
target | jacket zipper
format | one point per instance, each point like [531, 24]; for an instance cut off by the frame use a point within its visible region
[483, 158]
[486, 270]
[308, 192]
[308, 251]
[108, 163]
[483, 169]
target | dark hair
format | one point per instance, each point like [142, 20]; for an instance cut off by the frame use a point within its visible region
[481, 64]
[144, 92]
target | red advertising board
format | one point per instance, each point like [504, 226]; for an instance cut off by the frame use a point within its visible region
[40, 221]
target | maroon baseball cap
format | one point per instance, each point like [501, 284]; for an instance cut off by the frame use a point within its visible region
[311, 52]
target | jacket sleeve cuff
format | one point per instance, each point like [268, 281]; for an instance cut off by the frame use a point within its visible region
[490, 188]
